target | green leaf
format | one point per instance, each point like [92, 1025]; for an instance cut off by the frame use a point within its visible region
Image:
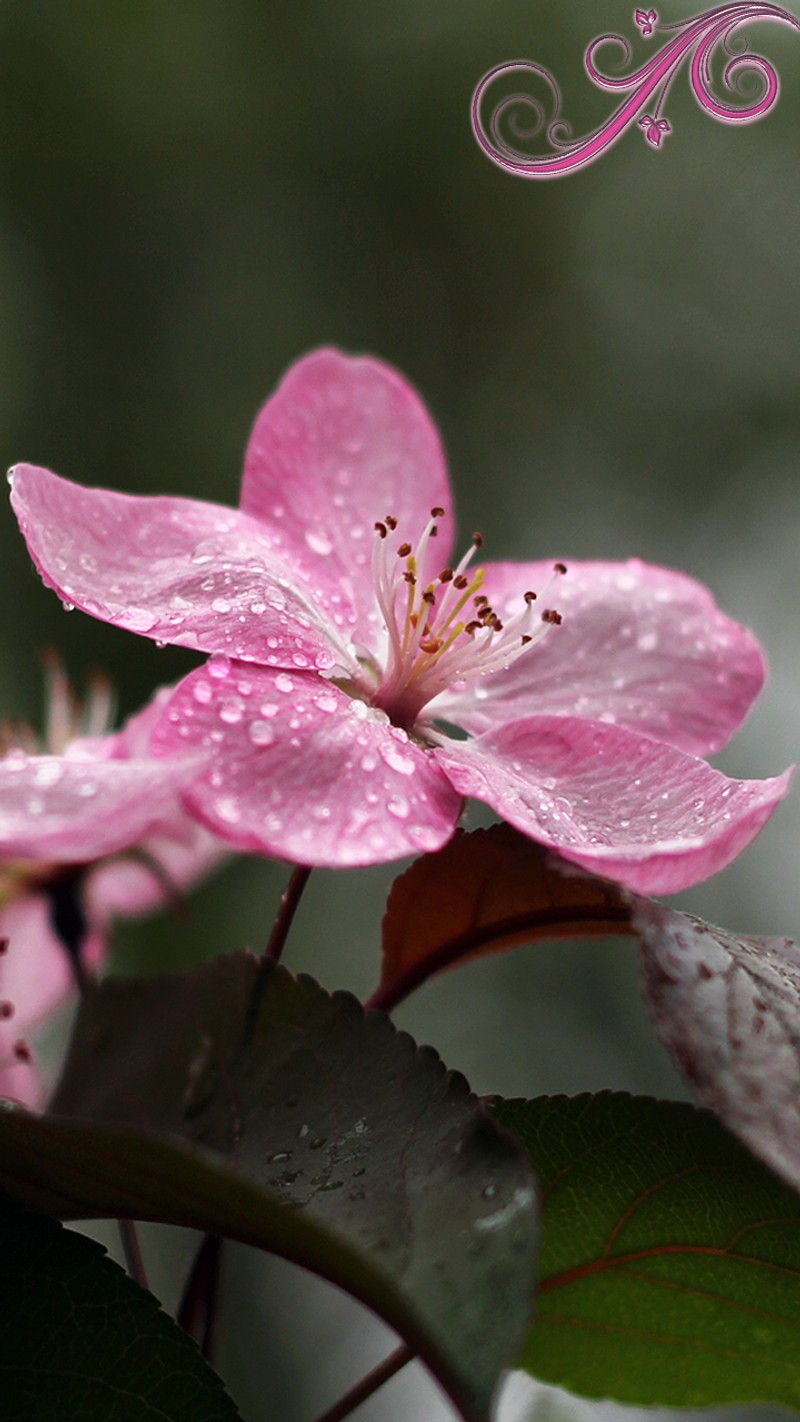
[307, 1128]
[670, 1258]
[79, 1340]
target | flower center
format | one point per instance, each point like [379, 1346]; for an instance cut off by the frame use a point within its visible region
[445, 631]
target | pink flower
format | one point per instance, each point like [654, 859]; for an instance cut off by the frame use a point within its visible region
[91, 829]
[347, 644]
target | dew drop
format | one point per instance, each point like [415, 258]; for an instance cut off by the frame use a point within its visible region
[218, 667]
[261, 733]
[284, 683]
[231, 712]
[318, 542]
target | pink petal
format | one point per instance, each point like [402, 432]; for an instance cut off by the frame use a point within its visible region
[171, 858]
[303, 772]
[342, 443]
[180, 571]
[639, 645]
[613, 801]
[35, 979]
[72, 810]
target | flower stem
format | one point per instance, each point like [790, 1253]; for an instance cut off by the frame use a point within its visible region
[134, 1263]
[369, 1385]
[287, 908]
[198, 1311]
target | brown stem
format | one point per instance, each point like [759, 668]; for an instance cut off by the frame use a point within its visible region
[131, 1248]
[369, 1385]
[287, 908]
[197, 1313]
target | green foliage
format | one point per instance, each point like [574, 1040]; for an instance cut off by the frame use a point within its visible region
[80, 1340]
[670, 1258]
[241, 1100]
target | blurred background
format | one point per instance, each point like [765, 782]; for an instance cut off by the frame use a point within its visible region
[195, 192]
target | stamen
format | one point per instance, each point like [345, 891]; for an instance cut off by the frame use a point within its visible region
[431, 645]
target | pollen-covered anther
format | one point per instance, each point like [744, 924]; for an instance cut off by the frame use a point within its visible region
[446, 575]
[437, 512]
[552, 617]
[460, 582]
[530, 597]
[391, 522]
[560, 568]
[404, 550]
[429, 596]
[381, 529]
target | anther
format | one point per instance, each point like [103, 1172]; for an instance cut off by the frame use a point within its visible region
[6, 1010]
[429, 596]
[404, 550]
[437, 513]
[477, 539]
[473, 627]
[434, 533]
[430, 645]
[446, 575]
[391, 522]
[481, 600]
[381, 529]
[549, 615]
[3, 946]
[410, 578]
[530, 597]
[22, 1052]
[460, 582]
[526, 639]
[559, 567]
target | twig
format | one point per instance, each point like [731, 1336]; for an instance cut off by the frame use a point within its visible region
[369, 1385]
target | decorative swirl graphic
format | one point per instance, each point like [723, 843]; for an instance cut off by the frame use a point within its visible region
[523, 115]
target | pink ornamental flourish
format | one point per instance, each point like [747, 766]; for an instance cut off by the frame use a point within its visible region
[90, 827]
[696, 40]
[347, 645]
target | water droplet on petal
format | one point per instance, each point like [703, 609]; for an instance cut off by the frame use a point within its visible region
[218, 667]
[284, 683]
[318, 542]
[261, 733]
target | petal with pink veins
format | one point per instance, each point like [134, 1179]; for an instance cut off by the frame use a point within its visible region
[301, 771]
[613, 801]
[57, 808]
[181, 571]
[342, 443]
[642, 646]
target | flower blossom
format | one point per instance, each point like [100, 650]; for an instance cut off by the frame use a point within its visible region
[89, 829]
[363, 681]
